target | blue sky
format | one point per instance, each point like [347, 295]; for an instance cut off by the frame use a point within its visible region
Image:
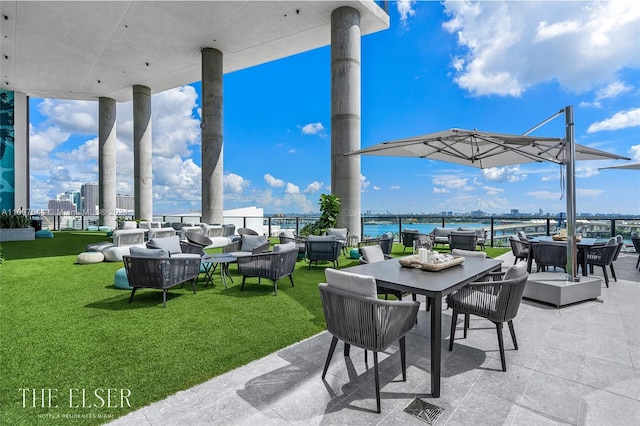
[494, 66]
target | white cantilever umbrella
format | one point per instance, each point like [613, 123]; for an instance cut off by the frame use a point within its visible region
[632, 166]
[487, 149]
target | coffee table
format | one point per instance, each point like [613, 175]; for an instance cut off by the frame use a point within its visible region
[211, 262]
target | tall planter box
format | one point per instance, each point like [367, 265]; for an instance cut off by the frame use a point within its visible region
[17, 234]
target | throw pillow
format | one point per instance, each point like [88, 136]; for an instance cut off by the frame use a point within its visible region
[361, 285]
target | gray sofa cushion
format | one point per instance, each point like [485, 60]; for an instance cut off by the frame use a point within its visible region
[146, 252]
[250, 242]
[284, 247]
[171, 244]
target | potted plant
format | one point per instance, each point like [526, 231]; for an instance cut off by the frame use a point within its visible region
[329, 210]
[16, 226]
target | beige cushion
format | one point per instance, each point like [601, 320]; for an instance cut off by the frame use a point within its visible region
[361, 285]
[90, 257]
[516, 271]
[372, 254]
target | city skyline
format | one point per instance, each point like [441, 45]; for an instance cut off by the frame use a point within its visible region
[439, 66]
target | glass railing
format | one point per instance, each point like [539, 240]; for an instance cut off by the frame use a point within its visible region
[498, 229]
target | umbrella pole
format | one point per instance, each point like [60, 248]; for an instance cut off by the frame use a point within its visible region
[572, 264]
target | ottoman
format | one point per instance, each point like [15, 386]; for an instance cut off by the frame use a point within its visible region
[44, 233]
[90, 257]
[120, 280]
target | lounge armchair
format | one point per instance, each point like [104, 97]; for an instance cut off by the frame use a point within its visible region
[175, 247]
[279, 263]
[497, 301]
[247, 245]
[385, 242]
[408, 236]
[323, 248]
[463, 240]
[342, 235]
[440, 236]
[480, 233]
[288, 236]
[355, 315]
[153, 268]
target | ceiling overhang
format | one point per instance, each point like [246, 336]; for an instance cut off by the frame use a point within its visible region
[90, 49]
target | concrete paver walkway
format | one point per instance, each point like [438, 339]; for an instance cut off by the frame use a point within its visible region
[578, 365]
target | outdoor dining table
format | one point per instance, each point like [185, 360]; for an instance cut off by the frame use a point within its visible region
[433, 285]
[583, 245]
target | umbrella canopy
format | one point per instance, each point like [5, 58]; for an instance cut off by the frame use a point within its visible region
[632, 166]
[483, 149]
[486, 149]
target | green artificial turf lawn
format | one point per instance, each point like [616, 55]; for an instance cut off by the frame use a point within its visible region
[65, 326]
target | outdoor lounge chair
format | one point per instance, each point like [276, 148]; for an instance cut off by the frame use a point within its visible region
[273, 265]
[385, 242]
[355, 315]
[463, 240]
[288, 236]
[342, 235]
[323, 248]
[247, 245]
[620, 241]
[153, 268]
[407, 238]
[497, 301]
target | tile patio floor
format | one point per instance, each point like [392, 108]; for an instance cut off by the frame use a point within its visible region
[577, 365]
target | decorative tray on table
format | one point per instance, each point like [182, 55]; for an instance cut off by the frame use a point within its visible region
[445, 261]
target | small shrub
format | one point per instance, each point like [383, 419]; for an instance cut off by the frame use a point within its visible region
[329, 210]
[14, 220]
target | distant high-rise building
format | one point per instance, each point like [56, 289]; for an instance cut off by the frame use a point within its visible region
[125, 202]
[90, 199]
[61, 207]
[515, 212]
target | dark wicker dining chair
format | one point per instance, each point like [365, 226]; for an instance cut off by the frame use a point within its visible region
[355, 315]
[497, 301]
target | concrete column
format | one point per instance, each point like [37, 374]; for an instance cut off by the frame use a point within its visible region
[345, 115]
[142, 169]
[107, 162]
[212, 191]
[21, 149]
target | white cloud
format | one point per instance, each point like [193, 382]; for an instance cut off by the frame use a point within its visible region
[450, 181]
[440, 190]
[364, 183]
[272, 181]
[635, 152]
[592, 193]
[312, 128]
[585, 170]
[376, 188]
[503, 174]
[291, 189]
[394, 187]
[313, 187]
[620, 120]
[234, 182]
[612, 90]
[545, 31]
[508, 47]
[491, 190]
[70, 116]
[544, 195]
[405, 10]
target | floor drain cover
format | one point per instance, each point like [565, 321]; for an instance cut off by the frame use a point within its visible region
[423, 410]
